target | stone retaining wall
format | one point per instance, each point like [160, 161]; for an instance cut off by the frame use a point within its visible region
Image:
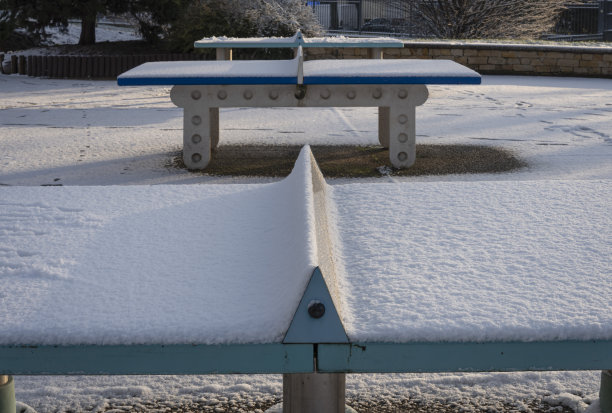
[497, 58]
[484, 58]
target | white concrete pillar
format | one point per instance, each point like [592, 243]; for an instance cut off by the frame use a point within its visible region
[402, 130]
[224, 53]
[375, 53]
[402, 124]
[196, 137]
[383, 112]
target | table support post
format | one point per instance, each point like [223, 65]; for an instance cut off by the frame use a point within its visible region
[196, 138]
[402, 143]
[314, 393]
[402, 125]
[7, 394]
[605, 392]
[375, 53]
[383, 112]
[222, 54]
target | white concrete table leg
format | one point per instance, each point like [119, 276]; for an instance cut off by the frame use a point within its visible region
[196, 138]
[196, 125]
[222, 54]
[402, 142]
[375, 53]
[402, 125]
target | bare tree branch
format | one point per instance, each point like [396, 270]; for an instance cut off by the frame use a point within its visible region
[460, 19]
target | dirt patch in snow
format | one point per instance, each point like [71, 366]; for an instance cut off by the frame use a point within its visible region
[356, 161]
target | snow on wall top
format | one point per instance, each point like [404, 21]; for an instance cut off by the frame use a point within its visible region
[476, 261]
[161, 264]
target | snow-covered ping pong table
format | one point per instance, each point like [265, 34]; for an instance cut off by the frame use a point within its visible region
[305, 279]
[397, 86]
[224, 45]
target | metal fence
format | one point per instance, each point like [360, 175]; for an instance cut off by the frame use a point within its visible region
[396, 18]
[399, 18]
[580, 18]
[578, 21]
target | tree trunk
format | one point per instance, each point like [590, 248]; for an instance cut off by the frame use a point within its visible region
[88, 27]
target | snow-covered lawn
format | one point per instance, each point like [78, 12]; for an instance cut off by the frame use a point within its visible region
[75, 132]
[95, 133]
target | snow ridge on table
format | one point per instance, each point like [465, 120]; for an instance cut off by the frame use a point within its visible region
[476, 261]
[203, 264]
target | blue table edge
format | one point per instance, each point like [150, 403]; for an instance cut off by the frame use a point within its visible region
[365, 357]
[308, 80]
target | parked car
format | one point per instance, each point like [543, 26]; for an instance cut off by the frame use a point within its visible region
[377, 25]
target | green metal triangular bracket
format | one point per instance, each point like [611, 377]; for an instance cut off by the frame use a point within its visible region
[316, 319]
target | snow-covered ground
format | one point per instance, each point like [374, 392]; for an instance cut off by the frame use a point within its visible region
[75, 132]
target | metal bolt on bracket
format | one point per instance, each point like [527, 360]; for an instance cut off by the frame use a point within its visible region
[316, 309]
